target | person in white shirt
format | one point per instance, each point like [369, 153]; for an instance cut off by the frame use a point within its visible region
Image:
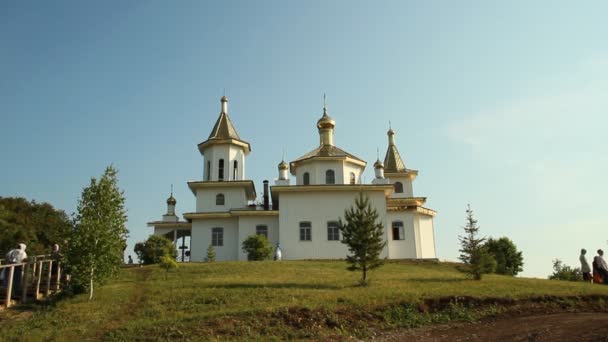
[585, 266]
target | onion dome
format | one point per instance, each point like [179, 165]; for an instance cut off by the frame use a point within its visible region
[283, 165]
[378, 164]
[326, 121]
[171, 200]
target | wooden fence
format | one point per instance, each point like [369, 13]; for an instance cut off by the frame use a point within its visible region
[37, 279]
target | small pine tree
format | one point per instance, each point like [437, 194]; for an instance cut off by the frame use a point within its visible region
[167, 263]
[210, 254]
[363, 236]
[473, 253]
[257, 248]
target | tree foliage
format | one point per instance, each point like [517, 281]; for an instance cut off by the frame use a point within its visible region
[509, 261]
[565, 272]
[363, 235]
[257, 247]
[154, 248]
[38, 225]
[167, 263]
[97, 242]
[473, 253]
[210, 254]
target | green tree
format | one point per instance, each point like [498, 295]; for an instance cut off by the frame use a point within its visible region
[363, 235]
[473, 253]
[154, 248]
[509, 261]
[97, 242]
[167, 263]
[210, 254]
[257, 247]
[38, 225]
[565, 272]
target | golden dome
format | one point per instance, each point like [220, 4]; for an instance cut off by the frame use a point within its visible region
[283, 165]
[326, 121]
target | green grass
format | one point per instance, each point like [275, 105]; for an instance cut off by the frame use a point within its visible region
[288, 299]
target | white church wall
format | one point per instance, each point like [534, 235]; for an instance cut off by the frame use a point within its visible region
[201, 239]
[162, 231]
[233, 198]
[407, 187]
[247, 227]
[406, 248]
[317, 170]
[229, 153]
[427, 236]
[318, 208]
[356, 169]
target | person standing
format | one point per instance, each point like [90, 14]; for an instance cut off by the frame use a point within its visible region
[602, 267]
[585, 266]
[16, 256]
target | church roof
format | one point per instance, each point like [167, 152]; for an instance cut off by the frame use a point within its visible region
[393, 161]
[224, 129]
[327, 151]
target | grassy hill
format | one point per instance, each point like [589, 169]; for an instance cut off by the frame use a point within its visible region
[288, 299]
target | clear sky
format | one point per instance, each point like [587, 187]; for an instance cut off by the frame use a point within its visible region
[502, 105]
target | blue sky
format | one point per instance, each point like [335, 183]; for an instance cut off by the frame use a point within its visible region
[500, 105]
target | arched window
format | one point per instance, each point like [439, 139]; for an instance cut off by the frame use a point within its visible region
[208, 170]
[352, 178]
[330, 177]
[398, 187]
[235, 169]
[220, 173]
[306, 178]
[219, 199]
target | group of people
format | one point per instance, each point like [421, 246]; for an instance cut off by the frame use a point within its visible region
[19, 256]
[600, 268]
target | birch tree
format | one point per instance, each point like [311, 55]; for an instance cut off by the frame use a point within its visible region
[96, 247]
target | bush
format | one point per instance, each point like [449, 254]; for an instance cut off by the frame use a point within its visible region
[565, 272]
[152, 250]
[167, 263]
[257, 248]
[210, 254]
[509, 260]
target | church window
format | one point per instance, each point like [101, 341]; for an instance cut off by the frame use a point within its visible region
[353, 180]
[306, 178]
[305, 231]
[330, 177]
[398, 232]
[333, 232]
[217, 237]
[208, 170]
[220, 199]
[398, 187]
[262, 230]
[235, 170]
[220, 174]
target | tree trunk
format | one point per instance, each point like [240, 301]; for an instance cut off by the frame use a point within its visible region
[363, 281]
[91, 286]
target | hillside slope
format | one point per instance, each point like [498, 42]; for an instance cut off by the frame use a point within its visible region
[289, 299]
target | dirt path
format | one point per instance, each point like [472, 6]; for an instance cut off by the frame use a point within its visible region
[548, 327]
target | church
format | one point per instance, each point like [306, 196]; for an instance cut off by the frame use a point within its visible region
[300, 211]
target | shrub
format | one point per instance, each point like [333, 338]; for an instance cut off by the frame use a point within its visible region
[565, 272]
[210, 254]
[509, 260]
[257, 247]
[152, 250]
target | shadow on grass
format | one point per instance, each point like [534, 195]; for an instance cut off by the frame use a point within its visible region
[278, 286]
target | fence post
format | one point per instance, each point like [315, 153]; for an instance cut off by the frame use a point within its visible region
[48, 278]
[24, 284]
[9, 290]
[58, 279]
[38, 278]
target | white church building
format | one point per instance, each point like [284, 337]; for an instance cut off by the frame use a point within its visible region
[301, 210]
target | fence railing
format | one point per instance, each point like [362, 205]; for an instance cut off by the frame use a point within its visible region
[29, 280]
